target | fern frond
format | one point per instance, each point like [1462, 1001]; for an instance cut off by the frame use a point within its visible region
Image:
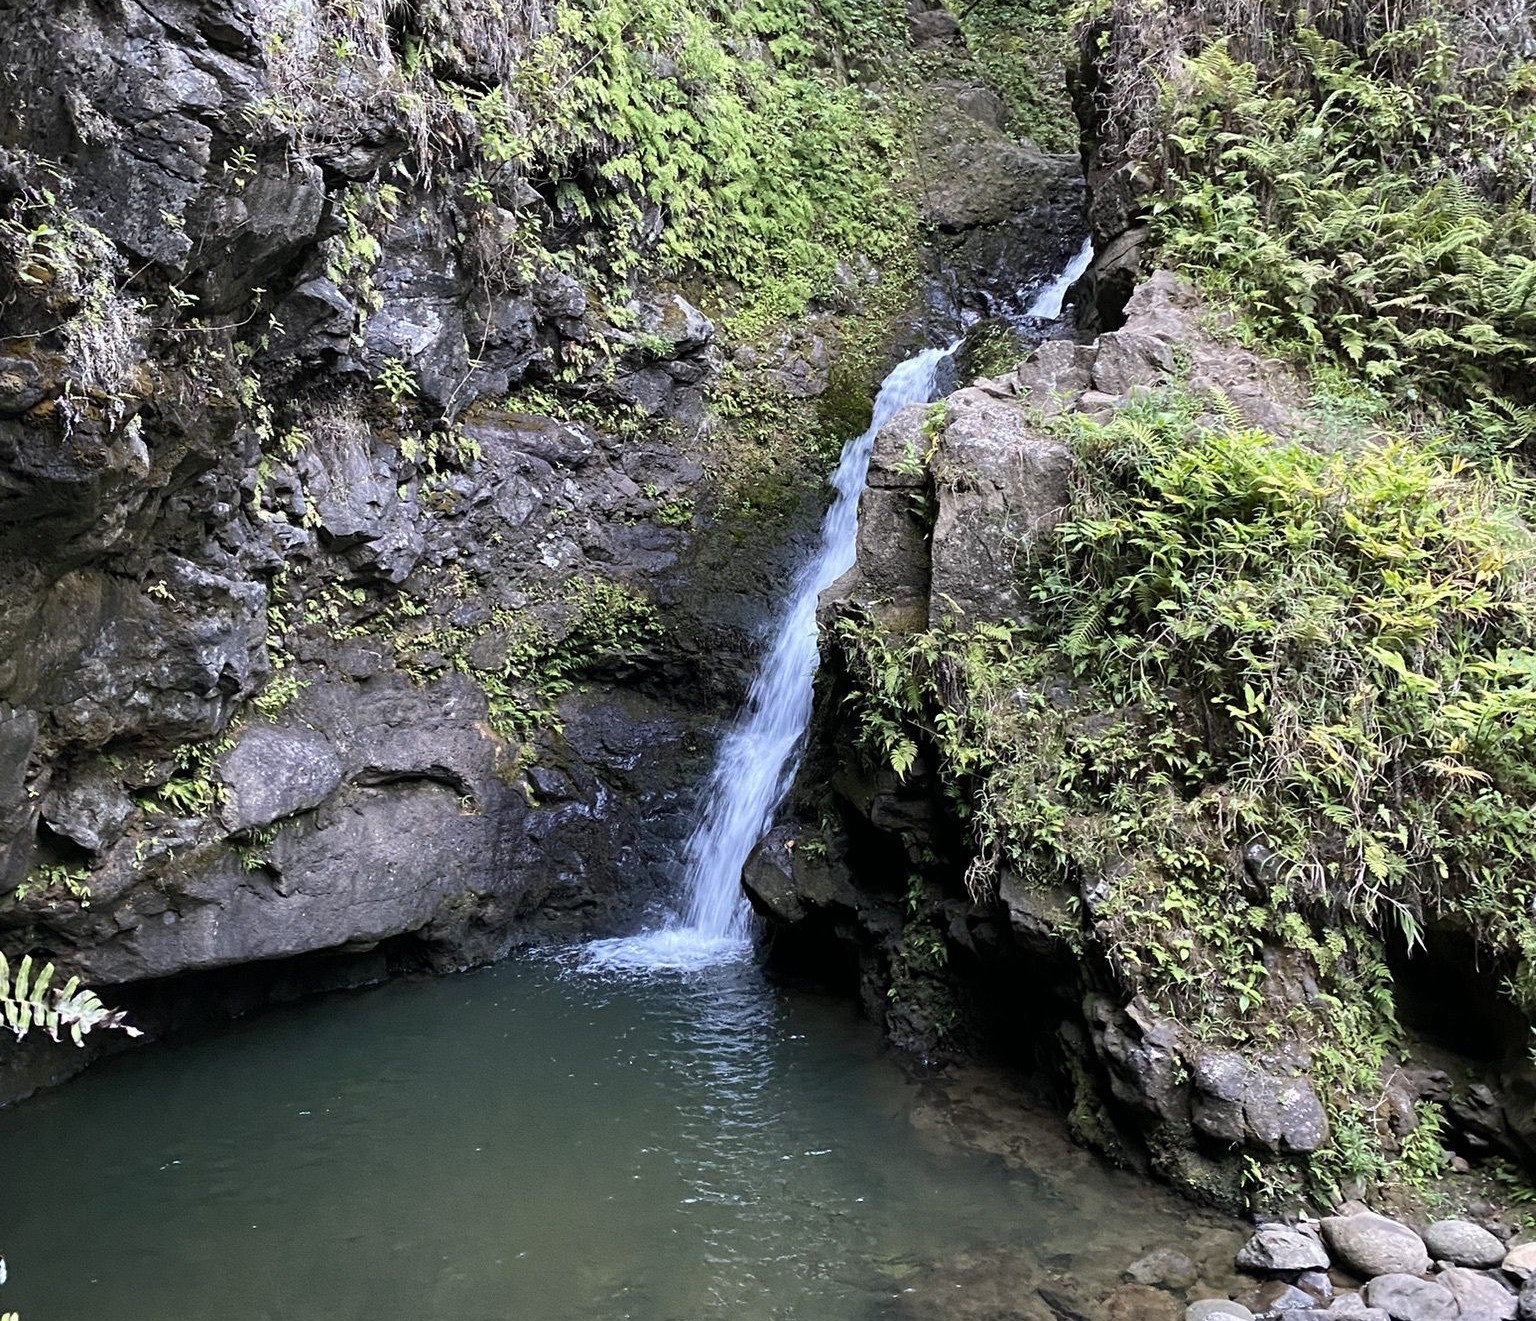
[28, 1002]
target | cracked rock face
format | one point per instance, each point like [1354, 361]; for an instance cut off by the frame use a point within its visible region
[454, 744]
[317, 635]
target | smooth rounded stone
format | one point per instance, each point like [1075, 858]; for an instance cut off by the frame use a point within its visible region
[1520, 1261]
[1164, 1266]
[1279, 1248]
[1371, 1245]
[1525, 1305]
[1207, 1308]
[1327, 1314]
[1408, 1298]
[1480, 1297]
[1141, 1302]
[1462, 1243]
[1277, 1296]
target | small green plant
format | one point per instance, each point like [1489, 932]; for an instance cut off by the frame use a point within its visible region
[396, 381]
[30, 1000]
[58, 878]
[279, 692]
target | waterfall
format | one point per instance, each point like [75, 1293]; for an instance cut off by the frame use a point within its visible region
[758, 757]
[1048, 302]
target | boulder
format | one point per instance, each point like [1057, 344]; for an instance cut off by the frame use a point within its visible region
[273, 773]
[1525, 1304]
[1479, 1297]
[1280, 1249]
[1408, 1298]
[1002, 484]
[1463, 1243]
[1520, 1261]
[1370, 1245]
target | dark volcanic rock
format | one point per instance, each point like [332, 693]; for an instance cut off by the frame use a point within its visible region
[274, 773]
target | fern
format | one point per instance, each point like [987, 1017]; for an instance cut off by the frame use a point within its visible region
[32, 1001]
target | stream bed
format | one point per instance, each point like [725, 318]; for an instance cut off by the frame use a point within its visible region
[533, 1143]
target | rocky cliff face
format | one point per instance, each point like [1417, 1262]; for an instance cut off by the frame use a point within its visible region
[865, 875]
[377, 585]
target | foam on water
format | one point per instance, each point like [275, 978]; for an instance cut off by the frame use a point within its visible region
[758, 757]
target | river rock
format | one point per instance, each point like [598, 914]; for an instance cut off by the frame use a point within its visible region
[1480, 1297]
[1279, 1248]
[1206, 1309]
[1463, 1243]
[1165, 1267]
[1326, 1314]
[1525, 1304]
[1408, 1298]
[1352, 1306]
[1277, 1296]
[1316, 1283]
[1370, 1244]
[1520, 1260]
[1141, 1302]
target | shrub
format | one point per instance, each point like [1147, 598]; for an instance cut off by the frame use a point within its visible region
[1266, 696]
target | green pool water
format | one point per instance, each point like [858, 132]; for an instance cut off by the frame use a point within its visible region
[525, 1142]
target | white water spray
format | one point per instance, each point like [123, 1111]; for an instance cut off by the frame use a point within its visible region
[758, 757]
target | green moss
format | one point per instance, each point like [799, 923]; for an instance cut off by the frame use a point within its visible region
[1022, 47]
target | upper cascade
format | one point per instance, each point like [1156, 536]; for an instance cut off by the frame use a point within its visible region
[758, 757]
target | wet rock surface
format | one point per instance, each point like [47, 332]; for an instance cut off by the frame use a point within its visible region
[313, 643]
[956, 496]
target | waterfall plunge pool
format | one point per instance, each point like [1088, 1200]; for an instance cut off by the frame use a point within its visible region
[524, 1143]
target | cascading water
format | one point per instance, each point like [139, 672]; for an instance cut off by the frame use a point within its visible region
[757, 758]
[1048, 302]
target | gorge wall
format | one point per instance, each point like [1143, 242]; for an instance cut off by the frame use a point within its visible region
[394, 480]
[890, 872]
